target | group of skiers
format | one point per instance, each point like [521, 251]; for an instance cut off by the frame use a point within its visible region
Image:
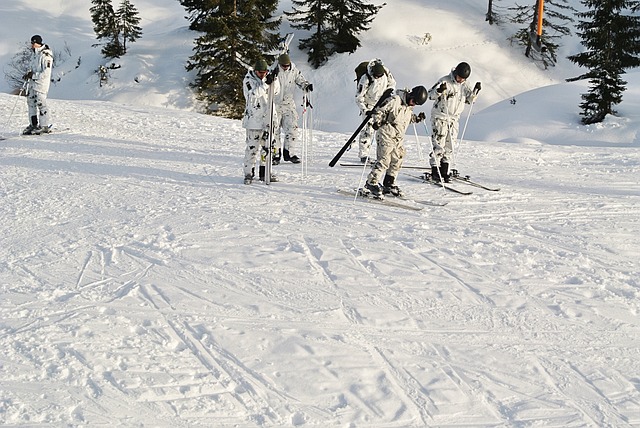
[388, 112]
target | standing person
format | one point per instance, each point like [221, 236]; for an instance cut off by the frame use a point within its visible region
[39, 79]
[450, 93]
[371, 86]
[256, 120]
[289, 77]
[391, 120]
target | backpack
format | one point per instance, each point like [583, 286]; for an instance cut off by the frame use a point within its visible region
[363, 68]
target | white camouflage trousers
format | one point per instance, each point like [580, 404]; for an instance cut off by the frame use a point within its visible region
[390, 155]
[288, 125]
[37, 103]
[256, 146]
[445, 133]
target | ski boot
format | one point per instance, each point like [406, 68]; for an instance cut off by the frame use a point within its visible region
[444, 172]
[288, 158]
[261, 174]
[389, 186]
[276, 157]
[374, 190]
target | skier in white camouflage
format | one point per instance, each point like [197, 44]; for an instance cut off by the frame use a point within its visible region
[290, 78]
[256, 120]
[371, 86]
[450, 93]
[391, 120]
[39, 80]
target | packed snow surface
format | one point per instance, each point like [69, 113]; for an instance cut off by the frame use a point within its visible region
[143, 284]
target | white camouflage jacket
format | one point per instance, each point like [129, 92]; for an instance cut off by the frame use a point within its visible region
[393, 116]
[256, 95]
[41, 66]
[370, 89]
[450, 104]
[289, 79]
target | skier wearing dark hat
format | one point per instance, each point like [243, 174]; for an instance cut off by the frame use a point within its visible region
[450, 93]
[391, 120]
[371, 86]
[290, 78]
[39, 80]
[256, 120]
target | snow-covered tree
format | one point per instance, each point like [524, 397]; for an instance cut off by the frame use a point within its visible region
[610, 32]
[128, 20]
[334, 25]
[235, 33]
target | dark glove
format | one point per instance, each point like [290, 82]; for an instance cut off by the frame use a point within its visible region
[477, 88]
[442, 88]
[270, 78]
[421, 117]
[309, 88]
[28, 75]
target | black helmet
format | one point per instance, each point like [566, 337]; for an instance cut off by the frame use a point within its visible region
[462, 70]
[418, 95]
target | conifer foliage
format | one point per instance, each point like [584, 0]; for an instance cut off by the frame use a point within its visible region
[610, 32]
[128, 19]
[235, 33]
[334, 26]
[114, 28]
[556, 20]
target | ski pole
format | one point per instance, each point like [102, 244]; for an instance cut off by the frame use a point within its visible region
[364, 167]
[476, 89]
[418, 145]
[307, 110]
[22, 89]
[303, 153]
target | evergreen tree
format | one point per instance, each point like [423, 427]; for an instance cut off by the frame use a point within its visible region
[235, 33]
[128, 20]
[312, 15]
[199, 10]
[491, 16]
[334, 25]
[106, 27]
[350, 18]
[610, 32]
[558, 14]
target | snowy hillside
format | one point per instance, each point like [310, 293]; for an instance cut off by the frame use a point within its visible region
[152, 73]
[142, 284]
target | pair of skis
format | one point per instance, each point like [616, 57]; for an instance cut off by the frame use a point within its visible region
[391, 201]
[426, 178]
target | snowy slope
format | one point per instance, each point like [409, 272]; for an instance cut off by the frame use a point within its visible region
[142, 284]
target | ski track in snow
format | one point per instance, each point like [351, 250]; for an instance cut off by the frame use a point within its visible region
[141, 278]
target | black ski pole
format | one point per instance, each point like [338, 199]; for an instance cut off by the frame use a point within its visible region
[346, 146]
